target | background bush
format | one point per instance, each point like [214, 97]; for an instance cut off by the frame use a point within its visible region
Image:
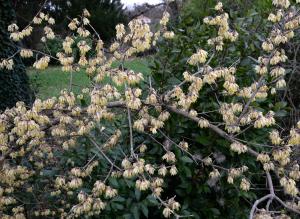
[14, 85]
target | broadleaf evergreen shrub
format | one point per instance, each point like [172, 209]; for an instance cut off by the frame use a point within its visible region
[14, 85]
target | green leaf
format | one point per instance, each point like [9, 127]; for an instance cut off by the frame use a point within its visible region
[173, 81]
[135, 212]
[127, 216]
[145, 210]
[186, 159]
[119, 199]
[117, 206]
[203, 140]
[137, 194]
[215, 211]
[281, 113]
[114, 182]
[152, 200]
[187, 171]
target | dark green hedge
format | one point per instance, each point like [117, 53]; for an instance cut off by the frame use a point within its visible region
[14, 85]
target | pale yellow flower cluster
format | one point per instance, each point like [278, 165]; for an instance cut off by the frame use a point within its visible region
[19, 35]
[282, 155]
[14, 177]
[219, 6]
[148, 122]
[282, 3]
[26, 53]
[224, 31]
[42, 63]
[28, 126]
[152, 98]
[83, 48]
[113, 140]
[80, 26]
[120, 28]
[265, 160]
[67, 45]
[82, 32]
[139, 168]
[101, 96]
[234, 173]
[203, 123]
[198, 58]
[138, 39]
[49, 33]
[140, 36]
[162, 171]
[294, 137]
[169, 157]
[78, 172]
[278, 57]
[289, 186]
[169, 34]
[65, 61]
[267, 46]
[263, 214]
[13, 28]
[276, 17]
[238, 147]
[265, 121]
[217, 42]
[91, 205]
[280, 35]
[7, 64]
[136, 168]
[261, 69]
[295, 172]
[41, 16]
[142, 185]
[212, 75]
[215, 174]
[207, 161]
[18, 213]
[73, 24]
[143, 148]
[229, 112]
[132, 98]
[185, 100]
[171, 206]
[165, 19]
[173, 170]
[277, 72]
[277, 37]
[245, 185]
[44, 213]
[291, 24]
[184, 145]
[129, 77]
[275, 137]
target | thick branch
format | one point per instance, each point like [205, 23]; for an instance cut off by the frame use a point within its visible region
[214, 128]
[257, 202]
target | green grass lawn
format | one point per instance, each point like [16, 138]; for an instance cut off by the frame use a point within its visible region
[50, 82]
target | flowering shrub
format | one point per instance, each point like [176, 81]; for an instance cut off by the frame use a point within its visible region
[107, 151]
